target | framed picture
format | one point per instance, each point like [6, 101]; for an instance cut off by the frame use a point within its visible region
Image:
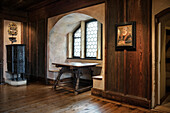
[125, 36]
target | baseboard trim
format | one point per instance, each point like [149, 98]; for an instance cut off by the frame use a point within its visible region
[129, 99]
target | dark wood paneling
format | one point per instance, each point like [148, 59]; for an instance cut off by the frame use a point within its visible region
[25, 40]
[40, 5]
[19, 5]
[45, 56]
[29, 45]
[36, 41]
[41, 47]
[134, 100]
[61, 6]
[1, 50]
[128, 72]
[33, 49]
[120, 54]
[1, 38]
[138, 62]
[14, 15]
[111, 19]
[115, 67]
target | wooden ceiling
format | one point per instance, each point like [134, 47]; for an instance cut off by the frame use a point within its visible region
[23, 5]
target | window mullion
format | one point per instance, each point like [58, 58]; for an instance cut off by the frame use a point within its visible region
[99, 42]
[82, 50]
[70, 45]
[77, 43]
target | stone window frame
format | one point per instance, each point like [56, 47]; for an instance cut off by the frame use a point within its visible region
[74, 43]
[70, 45]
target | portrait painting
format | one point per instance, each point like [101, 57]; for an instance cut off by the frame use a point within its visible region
[125, 36]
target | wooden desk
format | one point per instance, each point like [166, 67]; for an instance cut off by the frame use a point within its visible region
[75, 69]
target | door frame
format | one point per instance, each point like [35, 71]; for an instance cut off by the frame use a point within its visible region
[158, 45]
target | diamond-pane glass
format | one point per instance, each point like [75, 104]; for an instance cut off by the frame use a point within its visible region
[91, 39]
[77, 43]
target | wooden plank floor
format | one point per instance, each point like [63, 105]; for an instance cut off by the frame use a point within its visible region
[38, 98]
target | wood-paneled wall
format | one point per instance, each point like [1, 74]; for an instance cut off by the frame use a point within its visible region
[14, 15]
[129, 72]
[42, 34]
[36, 49]
[1, 39]
[1, 50]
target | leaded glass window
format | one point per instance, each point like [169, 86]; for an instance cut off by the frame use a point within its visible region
[87, 40]
[91, 39]
[77, 42]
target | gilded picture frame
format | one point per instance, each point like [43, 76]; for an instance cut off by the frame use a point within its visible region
[125, 36]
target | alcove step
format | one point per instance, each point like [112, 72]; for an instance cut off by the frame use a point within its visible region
[98, 77]
[57, 70]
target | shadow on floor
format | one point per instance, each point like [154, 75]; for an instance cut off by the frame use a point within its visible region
[165, 106]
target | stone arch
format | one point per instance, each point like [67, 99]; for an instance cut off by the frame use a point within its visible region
[97, 12]
[57, 36]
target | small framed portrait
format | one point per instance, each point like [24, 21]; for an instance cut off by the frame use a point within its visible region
[125, 36]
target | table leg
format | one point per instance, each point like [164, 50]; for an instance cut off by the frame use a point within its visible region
[58, 78]
[77, 73]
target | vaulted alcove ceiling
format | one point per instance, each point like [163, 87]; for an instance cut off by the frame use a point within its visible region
[23, 5]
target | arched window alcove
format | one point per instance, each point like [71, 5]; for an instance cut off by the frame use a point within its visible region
[60, 46]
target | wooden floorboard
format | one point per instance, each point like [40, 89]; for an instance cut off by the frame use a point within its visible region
[39, 98]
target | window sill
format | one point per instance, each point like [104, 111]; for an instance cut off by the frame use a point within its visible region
[94, 59]
[86, 61]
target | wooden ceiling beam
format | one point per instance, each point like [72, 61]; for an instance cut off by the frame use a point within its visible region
[14, 15]
[61, 6]
[41, 4]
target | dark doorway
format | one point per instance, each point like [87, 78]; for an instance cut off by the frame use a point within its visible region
[162, 59]
[168, 60]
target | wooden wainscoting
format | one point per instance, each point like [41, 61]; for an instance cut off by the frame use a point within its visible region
[129, 99]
